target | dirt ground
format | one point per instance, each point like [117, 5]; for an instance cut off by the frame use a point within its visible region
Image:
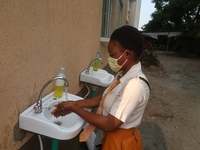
[174, 104]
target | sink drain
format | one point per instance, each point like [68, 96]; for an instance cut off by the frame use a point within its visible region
[58, 123]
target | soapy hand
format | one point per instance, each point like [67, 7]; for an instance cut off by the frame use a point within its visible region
[62, 109]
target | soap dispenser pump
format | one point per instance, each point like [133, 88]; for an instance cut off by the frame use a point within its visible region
[97, 62]
[59, 85]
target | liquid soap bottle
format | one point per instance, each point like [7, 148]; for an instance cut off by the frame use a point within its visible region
[59, 86]
[97, 62]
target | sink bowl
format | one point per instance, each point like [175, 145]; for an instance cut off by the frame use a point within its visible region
[100, 77]
[62, 128]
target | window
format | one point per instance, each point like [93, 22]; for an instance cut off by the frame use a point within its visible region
[119, 15]
[106, 18]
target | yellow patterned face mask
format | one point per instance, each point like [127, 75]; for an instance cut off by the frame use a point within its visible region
[114, 64]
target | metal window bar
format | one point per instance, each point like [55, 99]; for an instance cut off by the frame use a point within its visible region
[119, 13]
[106, 18]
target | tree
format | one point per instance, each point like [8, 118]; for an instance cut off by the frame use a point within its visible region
[181, 15]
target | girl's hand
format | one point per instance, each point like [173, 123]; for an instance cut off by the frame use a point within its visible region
[62, 109]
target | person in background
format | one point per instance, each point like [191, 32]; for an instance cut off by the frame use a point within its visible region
[122, 106]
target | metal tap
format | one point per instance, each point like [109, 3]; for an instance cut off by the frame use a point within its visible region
[88, 69]
[38, 106]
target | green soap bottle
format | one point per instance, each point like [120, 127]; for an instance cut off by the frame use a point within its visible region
[97, 62]
[59, 86]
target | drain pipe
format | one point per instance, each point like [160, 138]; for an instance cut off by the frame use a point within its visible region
[93, 93]
[54, 144]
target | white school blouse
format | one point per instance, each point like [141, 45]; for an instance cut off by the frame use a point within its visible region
[127, 101]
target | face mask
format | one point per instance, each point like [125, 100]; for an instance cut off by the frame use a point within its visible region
[114, 64]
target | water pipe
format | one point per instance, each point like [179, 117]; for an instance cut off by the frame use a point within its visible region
[93, 93]
[54, 144]
[40, 140]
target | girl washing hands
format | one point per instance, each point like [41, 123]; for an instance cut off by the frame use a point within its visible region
[121, 106]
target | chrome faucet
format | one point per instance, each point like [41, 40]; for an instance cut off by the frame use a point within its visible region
[88, 69]
[38, 106]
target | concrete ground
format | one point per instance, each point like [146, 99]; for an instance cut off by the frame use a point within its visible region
[152, 137]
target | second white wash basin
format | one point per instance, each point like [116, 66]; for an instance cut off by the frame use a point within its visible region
[100, 77]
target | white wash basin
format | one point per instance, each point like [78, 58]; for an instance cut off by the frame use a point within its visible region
[62, 128]
[100, 77]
